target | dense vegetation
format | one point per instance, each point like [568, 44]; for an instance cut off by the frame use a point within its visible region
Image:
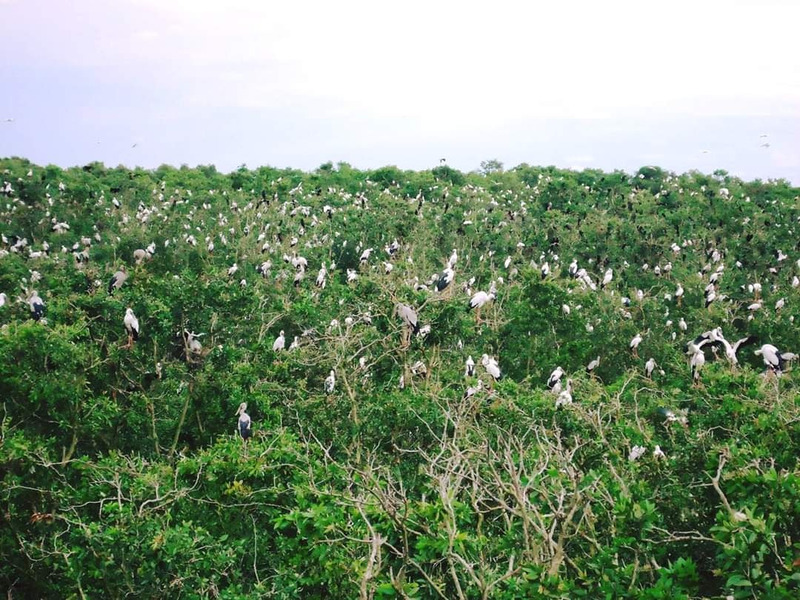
[122, 474]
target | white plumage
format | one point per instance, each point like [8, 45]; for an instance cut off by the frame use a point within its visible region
[131, 325]
[330, 382]
[491, 366]
[279, 343]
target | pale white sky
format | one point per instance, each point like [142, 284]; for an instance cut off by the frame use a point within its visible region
[614, 84]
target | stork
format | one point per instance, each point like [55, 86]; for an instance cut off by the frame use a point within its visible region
[555, 377]
[117, 280]
[565, 396]
[649, 367]
[609, 275]
[330, 382]
[131, 326]
[590, 368]
[773, 358]
[36, 304]
[472, 390]
[279, 343]
[679, 294]
[244, 423]
[479, 300]
[469, 367]
[445, 279]
[409, 317]
[696, 363]
[634, 345]
[492, 368]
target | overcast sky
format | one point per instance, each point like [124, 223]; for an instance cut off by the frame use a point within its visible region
[601, 84]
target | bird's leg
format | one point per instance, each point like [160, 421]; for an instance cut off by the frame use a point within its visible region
[478, 316]
[680, 299]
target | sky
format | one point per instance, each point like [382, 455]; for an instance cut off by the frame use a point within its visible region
[612, 84]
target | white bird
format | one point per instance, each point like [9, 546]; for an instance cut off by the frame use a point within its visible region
[780, 304]
[634, 345]
[545, 270]
[243, 425]
[445, 279]
[774, 360]
[658, 453]
[609, 275]
[473, 389]
[232, 270]
[593, 365]
[193, 345]
[451, 263]
[139, 256]
[117, 280]
[492, 367]
[409, 317]
[322, 277]
[419, 368]
[479, 300]
[36, 304]
[330, 382]
[649, 367]
[679, 294]
[469, 367]
[565, 396]
[555, 377]
[696, 363]
[279, 343]
[131, 326]
[636, 453]
[3, 299]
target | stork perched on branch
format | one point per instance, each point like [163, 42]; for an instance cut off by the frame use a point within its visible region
[409, 317]
[131, 326]
[774, 359]
[479, 300]
[117, 280]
